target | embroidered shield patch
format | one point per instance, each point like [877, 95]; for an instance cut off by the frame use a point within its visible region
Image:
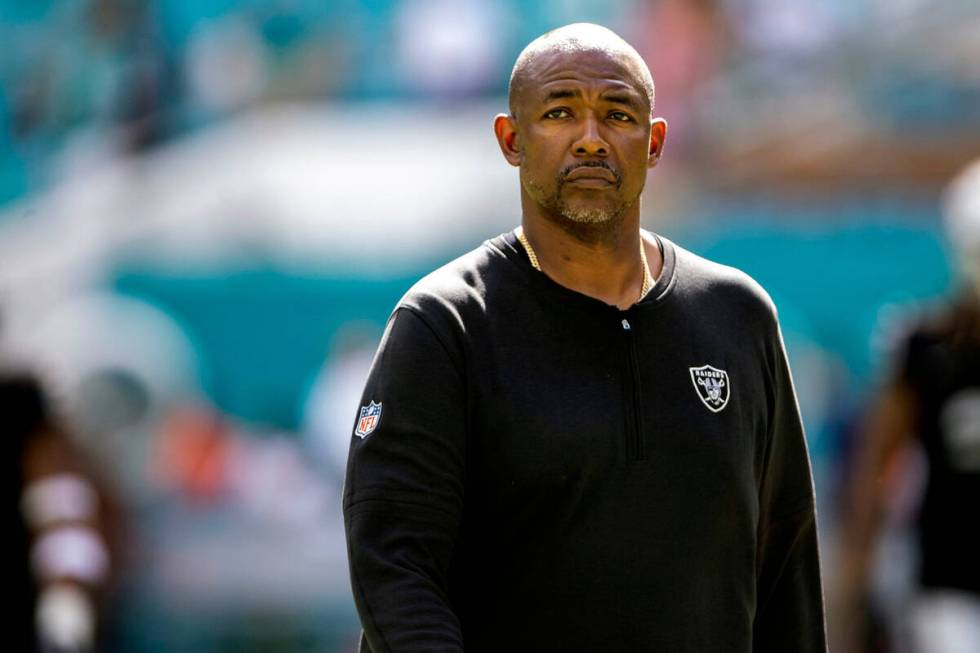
[368, 420]
[712, 385]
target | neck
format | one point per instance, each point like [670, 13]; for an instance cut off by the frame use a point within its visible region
[599, 260]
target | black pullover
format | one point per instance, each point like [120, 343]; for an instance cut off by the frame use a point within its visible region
[550, 473]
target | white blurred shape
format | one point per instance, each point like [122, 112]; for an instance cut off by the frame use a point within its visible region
[71, 552]
[333, 400]
[373, 191]
[946, 622]
[961, 203]
[960, 419]
[96, 332]
[961, 210]
[65, 618]
[58, 497]
[368, 185]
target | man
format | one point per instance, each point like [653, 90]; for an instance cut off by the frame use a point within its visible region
[932, 398]
[579, 436]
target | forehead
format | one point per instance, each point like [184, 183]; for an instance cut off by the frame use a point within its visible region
[594, 68]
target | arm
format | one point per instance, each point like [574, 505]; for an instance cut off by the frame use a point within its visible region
[66, 519]
[69, 553]
[404, 493]
[789, 595]
[885, 434]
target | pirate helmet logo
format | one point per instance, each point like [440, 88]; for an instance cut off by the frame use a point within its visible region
[712, 385]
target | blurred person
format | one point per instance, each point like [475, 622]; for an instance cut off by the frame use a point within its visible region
[931, 398]
[581, 436]
[61, 517]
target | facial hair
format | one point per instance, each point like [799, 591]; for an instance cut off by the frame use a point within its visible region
[586, 223]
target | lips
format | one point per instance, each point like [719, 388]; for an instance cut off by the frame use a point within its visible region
[592, 175]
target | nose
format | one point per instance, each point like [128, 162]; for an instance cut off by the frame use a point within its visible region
[590, 142]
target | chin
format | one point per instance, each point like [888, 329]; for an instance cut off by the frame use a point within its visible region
[589, 216]
[589, 213]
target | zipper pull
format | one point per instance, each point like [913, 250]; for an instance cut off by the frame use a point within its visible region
[626, 325]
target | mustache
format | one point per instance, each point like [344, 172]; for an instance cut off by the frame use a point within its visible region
[589, 164]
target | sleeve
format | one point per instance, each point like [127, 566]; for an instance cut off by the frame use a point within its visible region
[404, 490]
[789, 594]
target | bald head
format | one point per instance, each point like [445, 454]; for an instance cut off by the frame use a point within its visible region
[573, 39]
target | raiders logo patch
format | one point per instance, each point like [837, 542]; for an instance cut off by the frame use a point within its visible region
[368, 420]
[712, 385]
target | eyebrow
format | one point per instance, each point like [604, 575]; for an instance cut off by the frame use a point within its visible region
[615, 97]
[561, 94]
[622, 98]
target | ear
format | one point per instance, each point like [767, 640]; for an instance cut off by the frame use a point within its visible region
[658, 134]
[505, 128]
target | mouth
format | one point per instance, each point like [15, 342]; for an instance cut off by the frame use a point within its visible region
[590, 182]
[591, 177]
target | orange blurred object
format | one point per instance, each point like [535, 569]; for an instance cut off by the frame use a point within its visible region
[193, 452]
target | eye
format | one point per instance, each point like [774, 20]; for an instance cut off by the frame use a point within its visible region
[557, 113]
[620, 116]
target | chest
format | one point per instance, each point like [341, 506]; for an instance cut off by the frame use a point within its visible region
[572, 407]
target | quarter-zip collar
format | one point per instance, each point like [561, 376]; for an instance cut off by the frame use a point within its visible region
[508, 245]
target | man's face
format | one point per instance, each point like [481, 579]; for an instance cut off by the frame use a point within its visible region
[584, 134]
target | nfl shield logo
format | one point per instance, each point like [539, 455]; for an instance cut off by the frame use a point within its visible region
[712, 385]
[368, 419]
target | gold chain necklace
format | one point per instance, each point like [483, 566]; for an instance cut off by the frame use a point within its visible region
[647, 275]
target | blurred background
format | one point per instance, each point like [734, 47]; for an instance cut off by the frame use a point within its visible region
[208, 209]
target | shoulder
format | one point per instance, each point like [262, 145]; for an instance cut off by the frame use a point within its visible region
[450, 295]
[723, 290]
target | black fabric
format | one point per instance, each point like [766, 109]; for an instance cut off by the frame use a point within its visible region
[545, 475]
[941, 363]
[23, 412]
